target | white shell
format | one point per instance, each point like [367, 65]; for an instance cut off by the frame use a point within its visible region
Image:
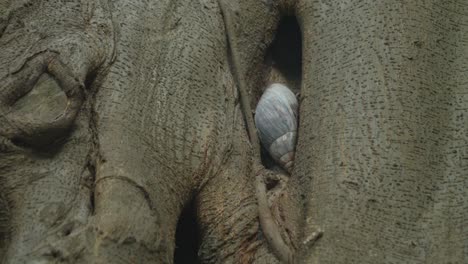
[276, 122]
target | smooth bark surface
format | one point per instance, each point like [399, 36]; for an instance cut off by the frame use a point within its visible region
[116, 115]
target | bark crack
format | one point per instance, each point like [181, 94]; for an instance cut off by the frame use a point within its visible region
[267, 222]
[95, 151]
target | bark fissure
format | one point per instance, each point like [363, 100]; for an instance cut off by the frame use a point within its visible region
[267, 222]
[94, 155]
[187, 236]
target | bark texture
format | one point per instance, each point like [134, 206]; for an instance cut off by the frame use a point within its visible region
[115, 115]
[382, 151]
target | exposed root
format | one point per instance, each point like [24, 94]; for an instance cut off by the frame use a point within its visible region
[239, 77]
[268, 223]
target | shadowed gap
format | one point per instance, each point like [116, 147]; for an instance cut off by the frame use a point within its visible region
[187, 237]
[286, 50]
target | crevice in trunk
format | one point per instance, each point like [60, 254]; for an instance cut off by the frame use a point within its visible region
[283, 60]
[187, 236]
[284, 56]
[94, 155]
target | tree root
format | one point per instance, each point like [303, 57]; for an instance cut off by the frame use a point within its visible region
[267, 222]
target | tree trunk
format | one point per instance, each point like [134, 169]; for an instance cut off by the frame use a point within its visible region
[383, 151]
[123, 121]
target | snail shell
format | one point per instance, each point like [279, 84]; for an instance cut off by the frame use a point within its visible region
[276, 120]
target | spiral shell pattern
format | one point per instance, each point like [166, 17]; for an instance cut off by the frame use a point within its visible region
[276, 121]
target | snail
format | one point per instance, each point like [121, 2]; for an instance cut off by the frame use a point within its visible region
[276, 121]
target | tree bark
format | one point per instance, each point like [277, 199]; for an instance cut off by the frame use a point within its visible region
[382, 152]
[116, 115]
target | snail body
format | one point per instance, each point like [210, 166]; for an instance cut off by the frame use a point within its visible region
[276, 121]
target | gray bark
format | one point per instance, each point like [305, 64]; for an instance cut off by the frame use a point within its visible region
[115, 115]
